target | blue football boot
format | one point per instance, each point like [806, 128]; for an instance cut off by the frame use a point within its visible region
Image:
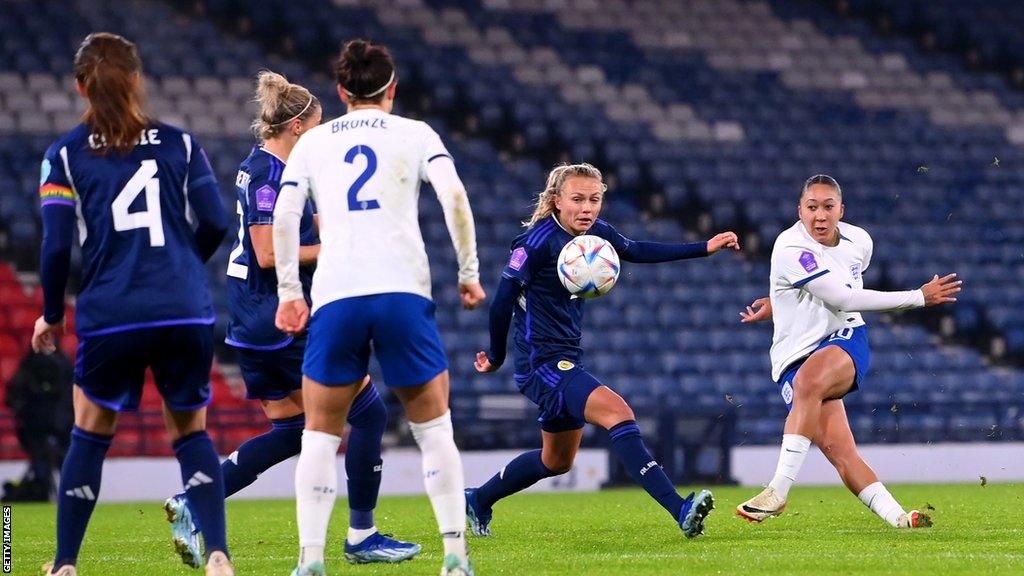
[380, 548]
[479, 521]
[694, 511]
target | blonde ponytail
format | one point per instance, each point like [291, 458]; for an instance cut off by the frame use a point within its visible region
[556, 179]
[280, 103]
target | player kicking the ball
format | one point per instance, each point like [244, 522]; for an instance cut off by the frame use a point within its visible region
[820, 349]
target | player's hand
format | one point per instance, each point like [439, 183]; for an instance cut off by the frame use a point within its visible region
[483, 363]
[760, 309]
[472, 295]
[45, 335]
[723, 240]
[941, 290]
[292, 316]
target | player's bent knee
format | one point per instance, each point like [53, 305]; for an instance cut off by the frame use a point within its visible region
[557, 464]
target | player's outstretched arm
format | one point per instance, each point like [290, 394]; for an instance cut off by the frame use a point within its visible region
[644, 252]
[758, 310]
[833, 292]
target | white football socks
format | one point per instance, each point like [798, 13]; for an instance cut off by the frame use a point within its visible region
[791, 459]
[443, 480]
[881, 502]
[316, 486]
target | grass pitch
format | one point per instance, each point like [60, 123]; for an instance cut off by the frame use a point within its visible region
[824, 531]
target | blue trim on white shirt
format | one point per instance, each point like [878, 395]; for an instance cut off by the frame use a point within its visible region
[809, 278]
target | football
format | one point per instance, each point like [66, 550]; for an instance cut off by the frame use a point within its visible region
[588, 266]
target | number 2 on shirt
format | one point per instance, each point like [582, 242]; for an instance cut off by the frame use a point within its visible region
[371, 166]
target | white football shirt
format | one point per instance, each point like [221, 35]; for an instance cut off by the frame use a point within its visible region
[363, 170]
[801, 320]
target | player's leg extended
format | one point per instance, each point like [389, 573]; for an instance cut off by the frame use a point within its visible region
[828, 373]
[430, 420]
[554, 458]
[181, 358]
[836, 441]
[80, 475]
[202, 479]
[260, 453]
[252, 458]
[608, 410]
[316, 480]
[367, 420]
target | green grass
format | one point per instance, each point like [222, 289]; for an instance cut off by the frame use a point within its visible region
[824, 531]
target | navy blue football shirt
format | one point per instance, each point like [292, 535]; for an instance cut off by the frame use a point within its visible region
[146, 221]
[548, 320]
[252, 291]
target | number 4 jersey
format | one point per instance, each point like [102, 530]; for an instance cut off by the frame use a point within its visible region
[363, 171]
[140, 221]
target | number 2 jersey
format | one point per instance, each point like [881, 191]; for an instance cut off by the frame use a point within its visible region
[363, 171]
[252, 291]
[146, 221]
[801, 320]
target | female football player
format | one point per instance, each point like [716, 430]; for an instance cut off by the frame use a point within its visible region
[270, 360]
[548, 371]
[372, 285]
[130, 186]
[820, 349]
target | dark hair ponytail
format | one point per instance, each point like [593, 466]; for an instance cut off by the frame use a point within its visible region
[364, 71]
[108, 67]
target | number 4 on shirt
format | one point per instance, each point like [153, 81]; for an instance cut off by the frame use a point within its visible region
[144, 179]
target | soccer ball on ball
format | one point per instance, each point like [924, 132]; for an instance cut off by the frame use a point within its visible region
[588, 266]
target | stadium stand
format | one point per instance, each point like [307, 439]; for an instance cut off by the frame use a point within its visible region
[706, 115]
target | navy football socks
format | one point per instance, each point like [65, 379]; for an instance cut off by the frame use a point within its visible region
[522, 472]
[259, 453]
[367, 418]
[629, 448]
[79, 487]
[204, 487]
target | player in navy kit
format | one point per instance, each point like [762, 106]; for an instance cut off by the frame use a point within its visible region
[270, 360]
[548, 358]
[146, 206]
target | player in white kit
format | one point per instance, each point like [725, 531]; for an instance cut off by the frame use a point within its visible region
[820, 348]
[372, 286]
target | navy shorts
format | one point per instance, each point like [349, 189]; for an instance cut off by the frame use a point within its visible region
[401, 328]
[560, 390]
[111, 368]
[272, 374]
[852, 340]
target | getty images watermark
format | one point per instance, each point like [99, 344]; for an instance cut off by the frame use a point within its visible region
[7, 539]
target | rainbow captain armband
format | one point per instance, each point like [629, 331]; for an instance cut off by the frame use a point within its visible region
[56, 194]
